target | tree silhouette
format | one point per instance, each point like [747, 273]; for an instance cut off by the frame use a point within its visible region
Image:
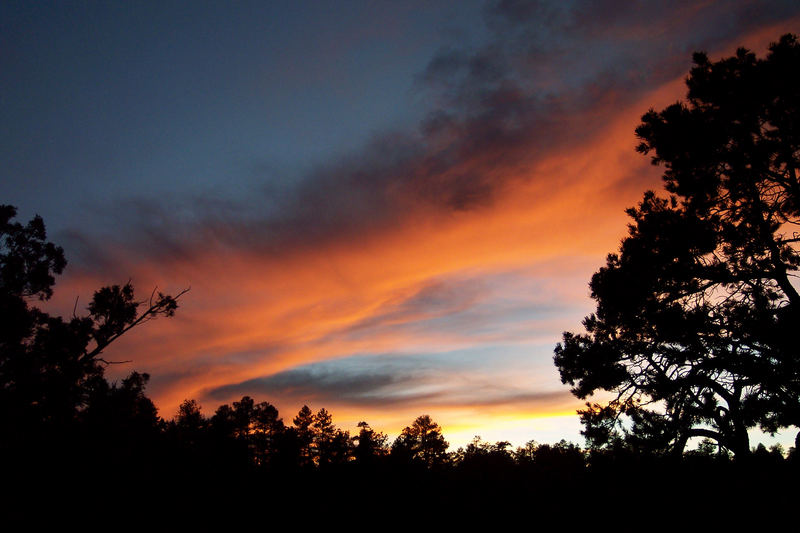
[266, 430]
[485, 458]
[305, 435]
[189, 418]
[121, 424]
[369, 445]
[422, 443]
[51, 370]
[331, 445]
[252, 431]
[694, 332]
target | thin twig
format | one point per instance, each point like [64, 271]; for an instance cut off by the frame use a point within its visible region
[100, 359]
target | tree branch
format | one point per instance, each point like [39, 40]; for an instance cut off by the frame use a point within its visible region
[160, 306]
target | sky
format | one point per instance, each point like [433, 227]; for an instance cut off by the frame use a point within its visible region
[386, 209]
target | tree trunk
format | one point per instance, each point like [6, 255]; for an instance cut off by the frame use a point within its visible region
[740, 441]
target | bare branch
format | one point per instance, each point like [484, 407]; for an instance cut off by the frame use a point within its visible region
[105, 362]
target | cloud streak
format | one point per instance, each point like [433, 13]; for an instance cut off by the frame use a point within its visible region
[384, 380]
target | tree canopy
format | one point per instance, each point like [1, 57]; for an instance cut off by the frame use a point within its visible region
[694, 334]
[51, 369]
[422, 443]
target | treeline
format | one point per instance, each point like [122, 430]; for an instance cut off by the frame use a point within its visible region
[119, 430]
[252, 436]
[245, 453]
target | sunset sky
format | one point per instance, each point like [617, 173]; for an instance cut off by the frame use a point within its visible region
[386, 209]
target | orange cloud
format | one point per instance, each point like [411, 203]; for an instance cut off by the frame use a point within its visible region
[251, 313]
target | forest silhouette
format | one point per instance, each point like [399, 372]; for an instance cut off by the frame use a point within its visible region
[693, 335]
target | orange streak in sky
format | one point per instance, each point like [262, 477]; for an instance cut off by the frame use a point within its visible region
[293, 307]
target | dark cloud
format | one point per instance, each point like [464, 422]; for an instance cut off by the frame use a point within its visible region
[315, 384]
[382, 381]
